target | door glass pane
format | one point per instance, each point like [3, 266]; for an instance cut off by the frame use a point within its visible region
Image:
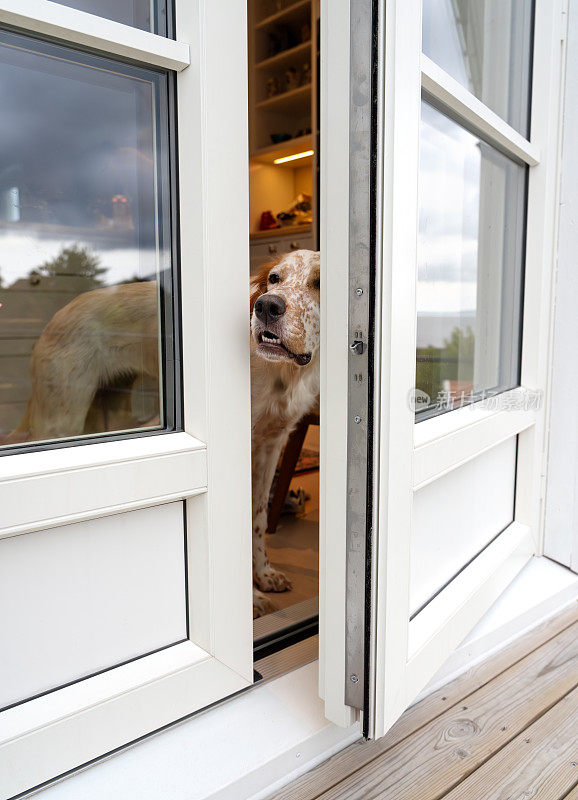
[148, 15]
[470, 256]
[84, 245]
[486, 46]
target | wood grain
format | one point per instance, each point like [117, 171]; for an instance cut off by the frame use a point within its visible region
[356, 756]
[448, 749]
[541, 762]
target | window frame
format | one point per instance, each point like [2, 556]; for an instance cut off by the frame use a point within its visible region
[68, 727]
[80, 28]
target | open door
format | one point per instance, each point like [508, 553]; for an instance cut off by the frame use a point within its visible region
[437, 245]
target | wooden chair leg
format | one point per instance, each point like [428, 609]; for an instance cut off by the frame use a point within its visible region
[286, 470]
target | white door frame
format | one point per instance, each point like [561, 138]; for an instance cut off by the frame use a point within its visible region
[61, 730]
[405, 653]
[334, 377]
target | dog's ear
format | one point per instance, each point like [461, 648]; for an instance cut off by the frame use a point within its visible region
[260, 280]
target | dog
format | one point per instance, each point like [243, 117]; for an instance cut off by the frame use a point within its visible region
[111, 334]
[98, 339]
[284, 386]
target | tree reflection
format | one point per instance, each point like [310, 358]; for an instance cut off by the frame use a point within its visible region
[77, 262]
[450, 367]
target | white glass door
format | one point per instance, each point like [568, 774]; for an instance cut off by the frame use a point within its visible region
[465, 145]
[125, 550]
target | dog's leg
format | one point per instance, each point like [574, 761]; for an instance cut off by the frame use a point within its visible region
[265, 458]
[64, 382]
[261, 604]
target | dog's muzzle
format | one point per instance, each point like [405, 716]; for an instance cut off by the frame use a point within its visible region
[269, 308]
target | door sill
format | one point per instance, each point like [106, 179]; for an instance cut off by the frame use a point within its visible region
[285, 628]
[287, 659]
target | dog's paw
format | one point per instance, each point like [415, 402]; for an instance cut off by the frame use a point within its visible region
[271, 580]
[261, 604]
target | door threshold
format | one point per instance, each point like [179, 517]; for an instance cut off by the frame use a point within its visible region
[287, 659]
[285, 627]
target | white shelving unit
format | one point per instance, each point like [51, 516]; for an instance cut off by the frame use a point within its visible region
[282, 50]
[283, 47]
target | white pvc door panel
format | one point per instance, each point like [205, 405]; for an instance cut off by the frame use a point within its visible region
[85, 597]
[454, 508]
[128, 618]
[456, 516]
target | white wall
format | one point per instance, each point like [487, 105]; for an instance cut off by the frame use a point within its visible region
[270, 189]
[561, 541]
[273, 188]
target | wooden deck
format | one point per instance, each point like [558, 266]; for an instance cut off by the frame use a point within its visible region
[505, 730]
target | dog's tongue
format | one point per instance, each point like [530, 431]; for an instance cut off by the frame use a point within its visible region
[302, 358]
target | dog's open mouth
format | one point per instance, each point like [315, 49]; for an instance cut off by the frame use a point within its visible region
[271, 344]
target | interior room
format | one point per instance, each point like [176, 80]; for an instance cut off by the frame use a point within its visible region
[283, 67]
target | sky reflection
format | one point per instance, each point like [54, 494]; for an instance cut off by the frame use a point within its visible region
[78, 158]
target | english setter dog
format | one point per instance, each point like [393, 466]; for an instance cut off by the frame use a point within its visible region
[284, 386]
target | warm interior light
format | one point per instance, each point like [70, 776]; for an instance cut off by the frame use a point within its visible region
[304, 154]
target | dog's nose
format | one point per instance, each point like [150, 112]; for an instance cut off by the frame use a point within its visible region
[270, 307]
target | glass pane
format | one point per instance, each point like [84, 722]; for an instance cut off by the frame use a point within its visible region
[486, 46]
[143, 14]
[470, 255]
[84, 248]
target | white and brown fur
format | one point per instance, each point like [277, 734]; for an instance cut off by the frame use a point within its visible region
[98, 338]
[283, 390]
[107, 334]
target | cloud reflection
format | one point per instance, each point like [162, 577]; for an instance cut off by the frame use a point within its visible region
[77, 160]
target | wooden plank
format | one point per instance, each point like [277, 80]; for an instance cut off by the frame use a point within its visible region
[541, 762]
[354, 757]
[449, 748]
[477, 676]
[573, 794]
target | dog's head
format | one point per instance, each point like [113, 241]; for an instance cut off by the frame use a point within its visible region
[285, 308]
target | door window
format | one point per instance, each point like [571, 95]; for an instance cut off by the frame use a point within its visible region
[471, 205]
[85, 269]
[470, 254]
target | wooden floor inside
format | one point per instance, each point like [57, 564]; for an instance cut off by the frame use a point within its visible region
[505, 730]
[294, 547]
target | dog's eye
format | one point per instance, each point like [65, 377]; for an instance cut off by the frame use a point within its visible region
[317, 283]
[274, 278]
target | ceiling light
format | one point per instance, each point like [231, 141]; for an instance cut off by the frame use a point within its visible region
[304, 154]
